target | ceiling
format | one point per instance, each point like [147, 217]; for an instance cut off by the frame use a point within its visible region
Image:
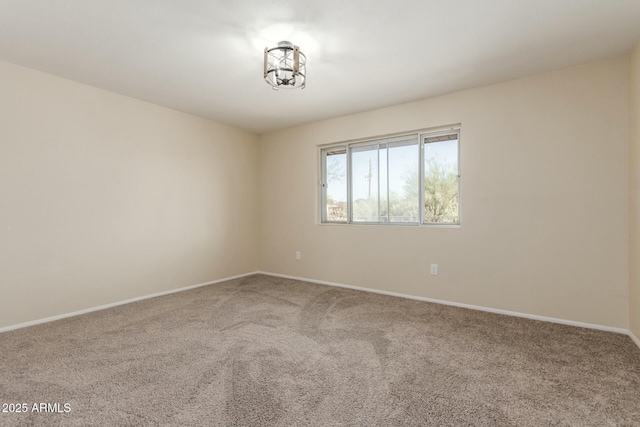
[204, 57]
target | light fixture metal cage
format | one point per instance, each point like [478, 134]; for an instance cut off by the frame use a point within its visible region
[285, 66]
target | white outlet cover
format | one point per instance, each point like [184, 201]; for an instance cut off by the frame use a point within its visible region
[434, 269]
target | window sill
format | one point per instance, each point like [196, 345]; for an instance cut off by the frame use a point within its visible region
[338, 224]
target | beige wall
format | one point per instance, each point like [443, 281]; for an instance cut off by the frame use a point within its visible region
[634, 193]
[544, 200]
[105, 198]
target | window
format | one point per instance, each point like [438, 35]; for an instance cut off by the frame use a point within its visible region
[409, 179]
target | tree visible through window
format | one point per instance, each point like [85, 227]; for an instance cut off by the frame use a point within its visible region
[379, 181]
[440, 154]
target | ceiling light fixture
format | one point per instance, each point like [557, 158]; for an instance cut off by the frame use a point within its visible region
[285, 66]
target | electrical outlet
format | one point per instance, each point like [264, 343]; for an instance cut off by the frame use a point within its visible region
[298, 255]
[434, 269]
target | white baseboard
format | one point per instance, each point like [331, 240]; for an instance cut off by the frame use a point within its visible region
[114, 304]
[634, 338]
[340, 285]
[457, 304]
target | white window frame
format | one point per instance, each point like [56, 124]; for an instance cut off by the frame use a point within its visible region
[347, 147]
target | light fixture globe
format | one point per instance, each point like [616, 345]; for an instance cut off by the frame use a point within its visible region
[285, 66]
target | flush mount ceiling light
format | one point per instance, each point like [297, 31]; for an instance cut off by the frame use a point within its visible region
[285, 66]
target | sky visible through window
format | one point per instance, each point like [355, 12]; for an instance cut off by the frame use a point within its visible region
[403, 162]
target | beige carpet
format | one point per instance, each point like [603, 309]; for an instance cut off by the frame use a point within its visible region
[267, 351]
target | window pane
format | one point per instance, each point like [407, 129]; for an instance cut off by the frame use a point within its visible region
[441, 179]
[404, 190]
[336, 179]
[364, 183]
